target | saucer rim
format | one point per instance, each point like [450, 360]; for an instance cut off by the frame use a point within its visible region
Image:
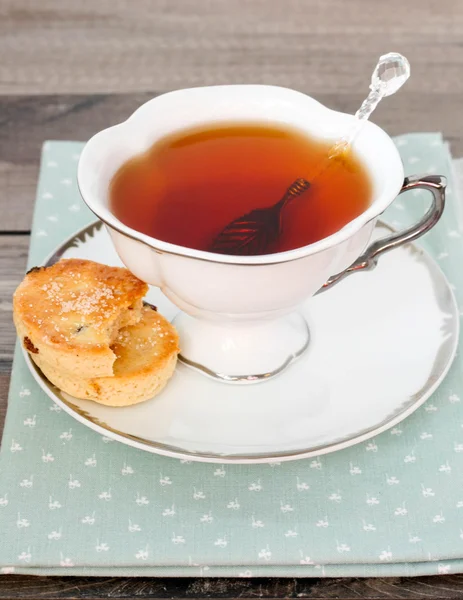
[269, 457]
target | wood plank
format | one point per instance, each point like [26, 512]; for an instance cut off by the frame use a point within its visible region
[14, 586]
[4, 386]
[63, 46]
[13, 258]
[27, 122]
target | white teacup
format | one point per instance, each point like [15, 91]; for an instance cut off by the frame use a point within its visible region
[239, 320]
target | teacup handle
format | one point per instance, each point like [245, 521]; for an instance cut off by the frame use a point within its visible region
[435, 184]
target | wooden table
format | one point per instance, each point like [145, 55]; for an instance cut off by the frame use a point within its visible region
[69, 68]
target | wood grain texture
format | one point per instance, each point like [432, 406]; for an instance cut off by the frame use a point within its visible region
[69, 69]
[4, 385]
[319, 46]
[13, 258]
[13, 586]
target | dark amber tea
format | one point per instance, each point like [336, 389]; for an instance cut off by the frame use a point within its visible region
[188, 186]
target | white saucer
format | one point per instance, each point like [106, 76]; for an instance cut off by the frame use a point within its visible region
[381, 343]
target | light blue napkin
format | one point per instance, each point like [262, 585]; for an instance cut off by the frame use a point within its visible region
[73, 502]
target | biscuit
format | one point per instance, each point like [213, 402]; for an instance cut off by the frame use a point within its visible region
[146, 358]
[69, 314]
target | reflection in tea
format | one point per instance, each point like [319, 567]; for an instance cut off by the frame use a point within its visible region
[188, 186]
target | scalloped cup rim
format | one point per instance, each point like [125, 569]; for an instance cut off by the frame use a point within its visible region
[380, 203]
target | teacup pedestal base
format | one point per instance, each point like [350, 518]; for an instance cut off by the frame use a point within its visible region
[244, 352]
